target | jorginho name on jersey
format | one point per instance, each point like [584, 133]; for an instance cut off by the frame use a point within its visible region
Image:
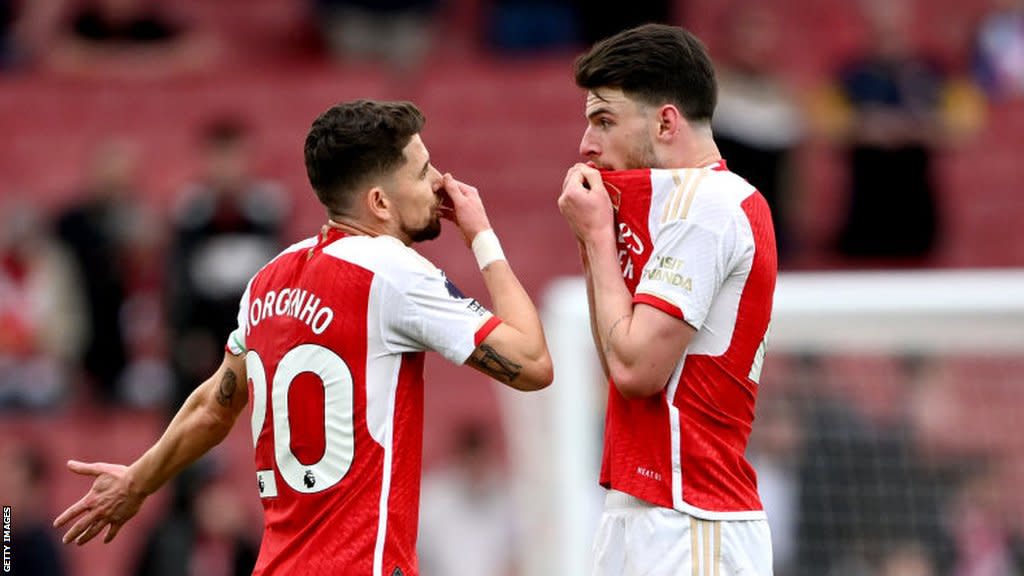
[697, 244]
[334, 331]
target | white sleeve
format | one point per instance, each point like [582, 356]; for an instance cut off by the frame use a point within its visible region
[236, 340]
[434, 315]
[688, 264]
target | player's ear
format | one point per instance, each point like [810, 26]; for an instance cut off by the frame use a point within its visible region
[378, 203]
[670, 122]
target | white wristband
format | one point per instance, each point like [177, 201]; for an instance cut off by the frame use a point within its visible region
[486, 248]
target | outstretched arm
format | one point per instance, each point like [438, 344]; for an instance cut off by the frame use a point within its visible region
[119, 491]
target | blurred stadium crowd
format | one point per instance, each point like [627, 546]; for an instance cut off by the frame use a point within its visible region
[152, 162]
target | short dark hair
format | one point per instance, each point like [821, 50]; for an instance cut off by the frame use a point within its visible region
[355, 141]
[654, 64]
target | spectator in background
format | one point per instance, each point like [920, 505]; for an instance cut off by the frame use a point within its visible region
[757, 122]
[128, 38]
[889, 101]
[983, 526]
[24, 25]
[396, 32]
[8, 15]
[97, 232]
[868, 503]
[11, 52]
[999, 50]
[830, 522]
[227, 225]
[23, 485]
[775, 451]
[596, 24]
[531, 26]
[908, 558]
[147, 380]
[205, 532]
[467, 522]
[41, 324]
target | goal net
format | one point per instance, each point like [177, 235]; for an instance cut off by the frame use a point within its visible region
[886, 440]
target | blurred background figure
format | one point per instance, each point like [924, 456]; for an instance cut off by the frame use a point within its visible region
[146, 381]
[23, 30]
[398, 33]
[205, 533]
[97, 231]
[40, 312]
[13, 51]
[9, 53]
[891, 94]
[832, 429]
[986, 535]
[227, 225]
[519, 27]
[907, 558]
[776, 449]
[467, 523]
[757, 124]
[999, 50]
[597, 22]
[867, 497]
[24, 483]
[128, 38]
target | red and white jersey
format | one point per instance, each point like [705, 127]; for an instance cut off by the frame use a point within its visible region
[697, 244]
[333, 331]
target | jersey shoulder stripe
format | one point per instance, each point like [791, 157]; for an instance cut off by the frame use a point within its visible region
[706, 197]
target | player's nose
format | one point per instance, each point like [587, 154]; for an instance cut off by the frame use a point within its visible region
[436, 179]
[588, 146]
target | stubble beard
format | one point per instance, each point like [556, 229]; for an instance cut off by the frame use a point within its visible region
[429, 232]
[642, 156]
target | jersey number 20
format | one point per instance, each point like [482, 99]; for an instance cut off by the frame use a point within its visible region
[339, 436]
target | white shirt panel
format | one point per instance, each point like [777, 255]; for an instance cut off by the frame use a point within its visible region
[703, 248]
[686, 263]
[421, 309]
[382, 368]
[721, 318]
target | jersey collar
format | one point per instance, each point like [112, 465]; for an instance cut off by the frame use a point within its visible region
[717, 165]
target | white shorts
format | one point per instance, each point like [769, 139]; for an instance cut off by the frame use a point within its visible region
[636, 538]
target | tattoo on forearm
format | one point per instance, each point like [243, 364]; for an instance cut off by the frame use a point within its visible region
[494, 364]
[226, 390]
[608, 338]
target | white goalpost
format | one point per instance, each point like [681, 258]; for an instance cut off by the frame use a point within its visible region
[554, 437]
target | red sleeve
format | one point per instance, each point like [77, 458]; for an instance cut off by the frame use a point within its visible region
[485, 330]
[652, 300]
